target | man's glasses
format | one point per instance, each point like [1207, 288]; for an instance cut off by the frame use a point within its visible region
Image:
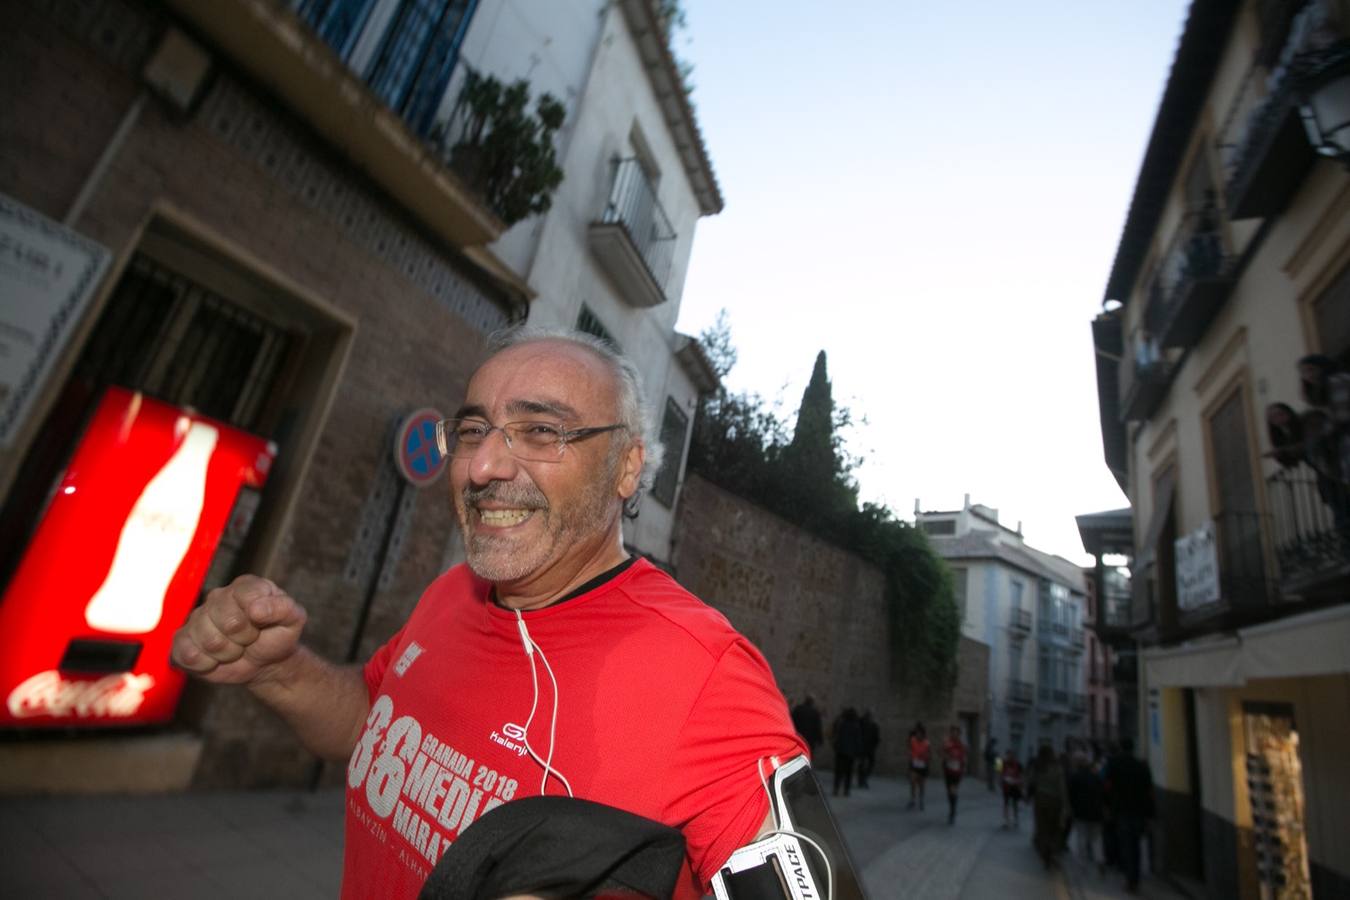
[533, 441]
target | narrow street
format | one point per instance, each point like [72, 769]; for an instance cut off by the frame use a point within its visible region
[264, 844]
[918, 856]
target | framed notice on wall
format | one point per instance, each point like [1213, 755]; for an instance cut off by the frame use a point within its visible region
[47, 275]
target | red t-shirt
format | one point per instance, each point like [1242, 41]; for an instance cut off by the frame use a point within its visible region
[954, 757]
[1012, 775]
[919, 750]
[663, 710]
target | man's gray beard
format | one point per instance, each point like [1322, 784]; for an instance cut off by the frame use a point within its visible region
[491, 561]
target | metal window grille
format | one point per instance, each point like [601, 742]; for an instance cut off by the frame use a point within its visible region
[590, 323]
[633, 204]
[177, 341]
[674, 430]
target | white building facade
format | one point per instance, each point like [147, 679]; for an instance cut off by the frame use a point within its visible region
[610, 254]
[1028, 606]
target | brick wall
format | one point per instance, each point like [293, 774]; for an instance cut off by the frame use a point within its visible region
[260, 182]
[816, 611]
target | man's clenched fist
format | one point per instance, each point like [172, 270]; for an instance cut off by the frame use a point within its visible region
[239, 632]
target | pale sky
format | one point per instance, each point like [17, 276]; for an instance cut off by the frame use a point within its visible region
[932, 193]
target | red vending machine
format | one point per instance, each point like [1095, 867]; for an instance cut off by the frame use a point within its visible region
[117, 562]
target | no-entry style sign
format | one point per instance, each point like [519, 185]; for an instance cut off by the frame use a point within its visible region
[415, 452]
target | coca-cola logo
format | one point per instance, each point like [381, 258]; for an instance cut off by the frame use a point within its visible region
[48, 694]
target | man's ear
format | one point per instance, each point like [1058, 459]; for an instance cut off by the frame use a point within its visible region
[630, 469]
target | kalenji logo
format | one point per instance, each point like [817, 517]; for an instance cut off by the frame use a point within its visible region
[512, 737]
[408, 658]
[48, 694]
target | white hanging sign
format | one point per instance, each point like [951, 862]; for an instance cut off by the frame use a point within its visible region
[1197, 569]
[47, 275]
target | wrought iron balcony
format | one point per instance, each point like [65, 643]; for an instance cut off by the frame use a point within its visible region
[1245, 590]
[1126, 669]
[1312, 548]
[633, 238]
[1192, 281]
[1077, 639]
[1019, 692]
[1145, 375]
[1052, 696]
[289, 48]
[1019, 621]
[1262, 142]
[1078, 703]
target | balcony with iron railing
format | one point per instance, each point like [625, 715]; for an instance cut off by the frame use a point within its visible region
[1245, 589]
[1144, 377]
[1052, 697]
[1078, 703]
[1125, 671]
[1077, 639]
[1019, 622]
[1019, 692]
[1192, 281]
[1311, 528]
[1116, 618]
[633, 237]
[1262, 143]
[286, 47]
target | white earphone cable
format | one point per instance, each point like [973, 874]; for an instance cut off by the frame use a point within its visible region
[530, 649]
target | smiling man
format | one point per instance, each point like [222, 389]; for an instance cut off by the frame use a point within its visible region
[552, 662]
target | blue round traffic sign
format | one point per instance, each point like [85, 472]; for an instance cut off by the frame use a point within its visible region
[415, 452]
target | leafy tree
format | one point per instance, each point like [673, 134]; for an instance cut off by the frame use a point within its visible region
[804, 474]
[815, 468]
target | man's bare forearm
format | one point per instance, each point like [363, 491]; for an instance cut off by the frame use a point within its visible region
[325, 704]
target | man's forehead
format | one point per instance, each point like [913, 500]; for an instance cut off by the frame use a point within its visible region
[543, 378]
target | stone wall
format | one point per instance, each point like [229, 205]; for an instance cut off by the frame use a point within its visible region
[816, 611]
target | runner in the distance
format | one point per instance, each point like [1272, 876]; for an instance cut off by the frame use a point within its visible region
[1012, 786]
[919, 754]
[953, 767]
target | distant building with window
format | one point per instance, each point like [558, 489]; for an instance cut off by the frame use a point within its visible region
[610, 254]
[1232, 267]
[1029, 607]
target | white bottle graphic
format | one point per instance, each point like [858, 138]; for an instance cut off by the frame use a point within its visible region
[155, 539]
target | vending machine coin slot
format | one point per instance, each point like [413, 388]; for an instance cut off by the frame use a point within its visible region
[99, 656]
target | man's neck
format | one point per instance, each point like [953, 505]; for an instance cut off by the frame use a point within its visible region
[560, 580]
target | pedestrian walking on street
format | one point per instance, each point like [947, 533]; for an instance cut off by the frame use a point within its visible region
[848, 746]
[953, 767]
[1087, 798]
[991, 762]
[1011, 775]
[1050, 794]
[806, 719]
[871, 739]
[1129, 792]
[920, 752]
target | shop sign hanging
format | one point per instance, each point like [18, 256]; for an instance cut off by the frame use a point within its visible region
[1197, 569]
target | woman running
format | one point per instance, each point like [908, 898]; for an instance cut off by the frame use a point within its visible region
[953, 767]
[1012, 787]
[919, 754]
